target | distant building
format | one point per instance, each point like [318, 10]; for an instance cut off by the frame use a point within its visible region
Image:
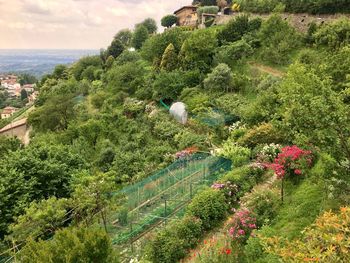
[187, 16]
[8, 112]
[29, 88]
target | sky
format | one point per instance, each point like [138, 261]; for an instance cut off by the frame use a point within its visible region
[74, 24]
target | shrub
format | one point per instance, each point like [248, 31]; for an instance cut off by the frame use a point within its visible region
[189, 229]
[278, 39]
[195, 100]
[334, 35]
[264, 204]
[233, 53]
[197, 51]
[263, 134]
[165, 247]
[220, 79]
[169, 59]
[209, 206]
[71, 246]
[234, 30]
[168, 20]
[187, 138]
[207, 10]
[237, 154]
[241, 226]
[332, 247]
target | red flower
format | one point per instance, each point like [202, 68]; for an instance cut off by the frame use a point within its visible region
[228, 251]
[297, 171]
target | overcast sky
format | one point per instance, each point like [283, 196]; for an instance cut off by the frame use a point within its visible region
[74, 24]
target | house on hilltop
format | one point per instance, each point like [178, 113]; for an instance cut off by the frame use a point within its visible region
[187, 16]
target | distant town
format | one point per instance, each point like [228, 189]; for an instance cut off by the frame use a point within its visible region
[15, 93]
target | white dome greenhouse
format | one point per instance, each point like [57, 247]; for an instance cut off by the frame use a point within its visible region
[178, 111]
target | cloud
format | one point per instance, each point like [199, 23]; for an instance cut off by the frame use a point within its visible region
[74, 23]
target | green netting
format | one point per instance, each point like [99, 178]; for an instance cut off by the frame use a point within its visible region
[163, 195]
[215, 118]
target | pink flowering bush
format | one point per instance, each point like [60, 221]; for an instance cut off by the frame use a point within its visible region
[230, 190]
[291, 161]
[241, 226]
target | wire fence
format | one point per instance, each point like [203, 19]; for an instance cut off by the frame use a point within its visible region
[157, 198]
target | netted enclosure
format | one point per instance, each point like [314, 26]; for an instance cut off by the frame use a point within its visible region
[154, 200]
[215, 118]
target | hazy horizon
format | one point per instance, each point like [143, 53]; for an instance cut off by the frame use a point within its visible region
[74, 24]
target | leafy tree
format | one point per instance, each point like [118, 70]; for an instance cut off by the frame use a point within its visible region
[8, 144]
[115, 49]
[169, 20]
[150, 24]
[204, 2]
[233, 53]
[140, 36]
[127, 78]
[40, 220]
[127, 56]
[79, 67]
[55, 114]
[92, 195]
[197, 51]
[334, 35]
[124, 36]
[317, 114]
[278, 39]
[169, 84]
[24, 94]
[332, 247]
[220, 79]
[27, 79]
[109, 62]
[234, 30]
[34, 173]
[71, 245]
[60, 72]
[169, 58]
[154, 47]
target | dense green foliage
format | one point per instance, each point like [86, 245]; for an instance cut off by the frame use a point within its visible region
[250, 87]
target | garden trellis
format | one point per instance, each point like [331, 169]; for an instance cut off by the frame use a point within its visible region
[151, 202]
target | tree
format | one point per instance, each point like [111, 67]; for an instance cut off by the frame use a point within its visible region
[234, 30]
[169, 58]
[221, 3]
[169, 20]
[278, 39]
[40, 220]
[140, 36]
[332, 247]
[124, 36]
[92, 196]
[317, 114]
[8, 144]
[34, 173]
[71, 245]
[27, 79]
[197, 51]
[150, 24]
[24, 94]
[220, 79]
[55, 114]
[115, 49]
[109, 62]
[204, 2]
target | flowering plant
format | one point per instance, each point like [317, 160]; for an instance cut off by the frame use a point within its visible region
[290, 161]
[186, 152]
[268, 152]
[229, 189]
[241, 226]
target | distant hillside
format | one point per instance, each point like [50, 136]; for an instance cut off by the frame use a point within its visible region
[38, 62]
